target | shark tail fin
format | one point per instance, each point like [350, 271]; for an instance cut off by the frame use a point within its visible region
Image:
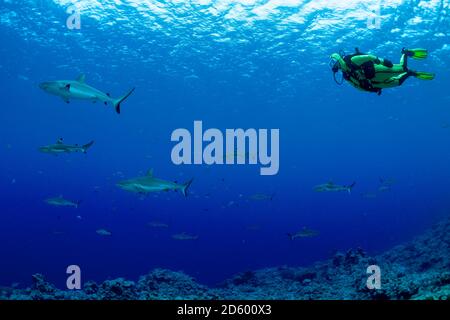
[350, 187]
[185, 187]
[117, 102]
[87, 146]
[77, 204]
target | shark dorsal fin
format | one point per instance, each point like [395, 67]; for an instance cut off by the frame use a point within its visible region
[59, 141]
[150, 173]
[330, 182]
[81, 78]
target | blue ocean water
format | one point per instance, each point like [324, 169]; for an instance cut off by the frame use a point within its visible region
[231, 64]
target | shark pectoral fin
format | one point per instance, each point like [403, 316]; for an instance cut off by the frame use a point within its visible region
[66, 100]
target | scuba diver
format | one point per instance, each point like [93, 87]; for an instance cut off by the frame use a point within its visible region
[370, 73]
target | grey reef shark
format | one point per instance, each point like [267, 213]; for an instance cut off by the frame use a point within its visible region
[78, 89]
[60, 147]
[148, 184]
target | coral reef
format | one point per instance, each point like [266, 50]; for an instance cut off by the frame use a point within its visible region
[419, 269]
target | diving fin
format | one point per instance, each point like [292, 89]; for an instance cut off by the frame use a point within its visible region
[418, 53]
[424, 75]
